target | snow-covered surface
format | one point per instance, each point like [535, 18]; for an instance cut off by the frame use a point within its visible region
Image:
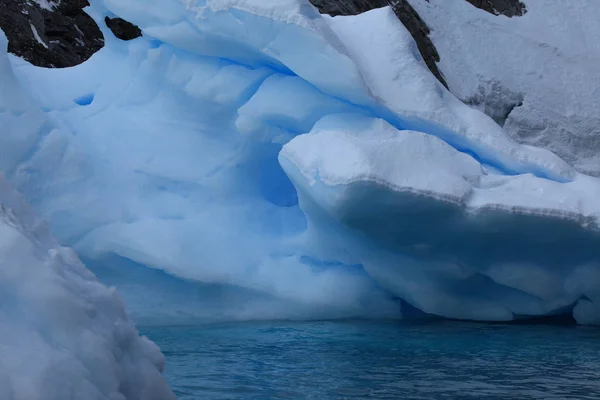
[166, 152]
[341, 150]
[548, 59]
[63, 335]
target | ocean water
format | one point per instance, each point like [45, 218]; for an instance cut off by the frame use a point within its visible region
[380, 360]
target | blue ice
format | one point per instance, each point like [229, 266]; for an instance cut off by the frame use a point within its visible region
[172, 173]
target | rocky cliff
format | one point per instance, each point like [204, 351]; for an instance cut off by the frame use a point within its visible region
[50, 33]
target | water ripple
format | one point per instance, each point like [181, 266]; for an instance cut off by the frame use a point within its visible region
[380, 360]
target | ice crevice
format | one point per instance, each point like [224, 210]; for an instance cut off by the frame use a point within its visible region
[293, 166]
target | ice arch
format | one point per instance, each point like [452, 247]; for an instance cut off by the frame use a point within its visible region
[165, 151]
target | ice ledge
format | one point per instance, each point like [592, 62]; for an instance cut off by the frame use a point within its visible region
[364, 151]
[435, 228]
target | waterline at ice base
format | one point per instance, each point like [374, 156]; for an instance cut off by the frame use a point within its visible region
[254, 160]
[288, 157]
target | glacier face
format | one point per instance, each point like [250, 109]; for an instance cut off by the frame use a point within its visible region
[297, 166]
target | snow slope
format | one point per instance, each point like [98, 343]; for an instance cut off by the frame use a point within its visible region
[311, 161]
[545, 65]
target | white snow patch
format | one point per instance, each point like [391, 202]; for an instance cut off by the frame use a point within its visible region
[49, 5]
[37, 37]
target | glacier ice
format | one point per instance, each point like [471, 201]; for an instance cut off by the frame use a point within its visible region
[441, 234]
[63, 335]
[296, 166]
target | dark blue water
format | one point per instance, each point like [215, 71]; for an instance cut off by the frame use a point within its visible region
[380, 360]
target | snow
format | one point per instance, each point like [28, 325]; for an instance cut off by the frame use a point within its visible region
[37, 37]
[47, 4]
[289, 165]
[406, 87]
[396, 159]
[547, 60]
[63, 335]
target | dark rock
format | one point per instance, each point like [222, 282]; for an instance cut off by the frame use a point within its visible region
[61, 36]
[415, 25]
[510, 8]
[122, 29]
[420, 32]
[407, 15]
[347, 7]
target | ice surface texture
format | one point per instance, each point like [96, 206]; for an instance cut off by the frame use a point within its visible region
[63, 335]
[311, 162]
[539, 73]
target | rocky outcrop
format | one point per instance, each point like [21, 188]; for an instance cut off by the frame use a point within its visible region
[509, 8]
[347, 7]
[420, 32]
[413, 22]
[122, 29]
[50, 33]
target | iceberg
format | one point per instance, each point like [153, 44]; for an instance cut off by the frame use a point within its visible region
[63, 334]
[294, 165]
